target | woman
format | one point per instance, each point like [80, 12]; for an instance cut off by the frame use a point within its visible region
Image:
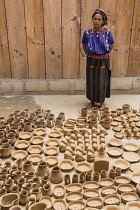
[97, 44]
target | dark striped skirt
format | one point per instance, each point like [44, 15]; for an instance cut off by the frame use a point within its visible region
[98, 79]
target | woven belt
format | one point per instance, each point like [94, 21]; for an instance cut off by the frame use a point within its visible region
[98, 56]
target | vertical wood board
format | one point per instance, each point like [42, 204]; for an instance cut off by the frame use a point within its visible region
[122, 37]
[4, 48]
[109, 7]
[35, 38]
[87, 9]
[17, 38]
[71, 37]
[53, 38]
[134, 57]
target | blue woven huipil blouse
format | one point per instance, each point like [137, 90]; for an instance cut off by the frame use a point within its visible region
[98, 42]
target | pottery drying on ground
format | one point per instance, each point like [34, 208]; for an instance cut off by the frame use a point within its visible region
[19, 154]
[51, 160]
[114, 152]
[40, 132]
[21, 144]
[132, 157]
[73, 196]
[56, 175]
[89, 193]
[59, 204]
[59, 192]
[43, 169]
[135, 177]
[125, 188]
[66, 165]
[36, 140]
[132, 205]
[74, 187]
[35, 158]
[95, 202]
[112, 207]
[35, 149]
[129, 196]
[80, 205]
[121, 163]
[39, 205]
[83, 167]
[115, 142]
[8, 200]
[121, 180]
[112, 199]
[47, 200]
[101, 160]
[108, 190]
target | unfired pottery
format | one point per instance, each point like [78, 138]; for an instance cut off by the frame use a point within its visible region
[95, 202]
[35, 158]
[47, 200]
[112, 199]
[89, 193]
[58, 191]
[39, 205]
[129, 196]
[8, 200]
[59, 204]
[125, 188]
[28, 166]
[56, 175]
[80, 205]
[132, 205]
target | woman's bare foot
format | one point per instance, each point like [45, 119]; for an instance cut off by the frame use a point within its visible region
[102, 106]
[89, 106]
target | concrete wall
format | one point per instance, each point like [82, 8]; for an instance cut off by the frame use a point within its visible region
[65, 86]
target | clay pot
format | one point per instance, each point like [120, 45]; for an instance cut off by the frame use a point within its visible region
[106, 123]
[59, 121]
[2, 191]
[92, 123]
[23, 197]
[45, 180]
[43, 169]
[9, 200]
[28, 126]
[16, 207]
[16, 174]
[19, 163]
[12, 136]
[20, 182]
[29, 175]
[14, 189]
[28, 166]
[8, 184]
[39, 205]
[56, 176]
[36, 180]
[138, 188]
[46, 190]
[126, 108]
[5, 151]
[36, 191]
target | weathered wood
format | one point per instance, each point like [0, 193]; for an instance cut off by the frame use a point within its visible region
[87, 9]
[71, 37]
[42, 38]
[53, 38]
[35, 38]
[122, 37]
[109, 7]
[4, 48]
[17, 38]
[134, 56]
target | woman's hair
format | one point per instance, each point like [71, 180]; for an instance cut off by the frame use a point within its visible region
[102, 13]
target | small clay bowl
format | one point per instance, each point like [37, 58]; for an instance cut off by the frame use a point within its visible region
[112, 199]
[37, 140]
[132, 205]
[95, 202]
[79, 205]
[91, 185]
[125, 188]
[106, 182]
[35, 149]
[58, 191]
[89, 193]
[59, 204]
[129, 196]
[121, 163]
[74, 187]
[74, 196]
[51, 160]
[112, 207]
[47, 200]
[52, 142]
[108, 190]
[121, 180]
[115, 142]
[21, 144]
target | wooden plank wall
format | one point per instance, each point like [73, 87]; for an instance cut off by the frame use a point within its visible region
[42, 38]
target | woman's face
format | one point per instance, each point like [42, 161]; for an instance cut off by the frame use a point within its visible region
[97, 21]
